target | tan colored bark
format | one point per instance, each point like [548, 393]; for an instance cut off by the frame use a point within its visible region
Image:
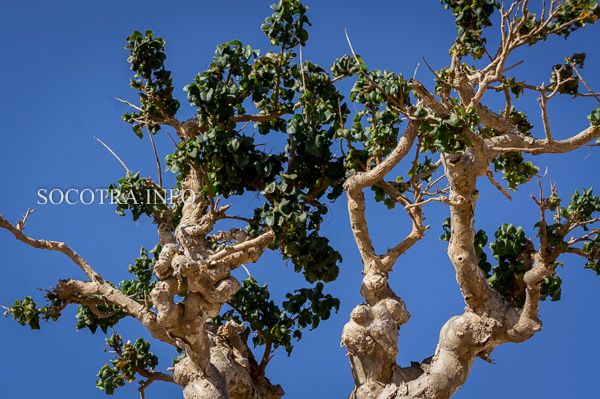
[371, 335]
[217, 364]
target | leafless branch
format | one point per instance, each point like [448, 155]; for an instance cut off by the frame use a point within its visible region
[50, 245]
[113, 154]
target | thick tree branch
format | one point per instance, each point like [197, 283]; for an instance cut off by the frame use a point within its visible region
[356, 201]
[75, 291]
[244, 252]
[511, 142]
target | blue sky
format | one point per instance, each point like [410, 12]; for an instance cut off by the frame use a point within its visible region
[63, 64]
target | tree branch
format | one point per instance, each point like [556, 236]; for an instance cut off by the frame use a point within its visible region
[244, 252]
[511, 142]
[75, 291]
[52, 246]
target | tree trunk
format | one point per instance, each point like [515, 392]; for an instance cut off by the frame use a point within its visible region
[198, 383]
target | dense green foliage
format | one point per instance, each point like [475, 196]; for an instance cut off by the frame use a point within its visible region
[129, 360]
[26, 313]
[152, 80]
[471, 17]
[276, 325]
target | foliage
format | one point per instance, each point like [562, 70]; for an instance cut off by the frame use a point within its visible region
[579, 213]
[297, 109]
[292, 181]
[446, 133]
[275, 325]
[285, 28]
[515, 169]
[471, 17]
[514, 252]
[151, 80]
[564, 78]
[143, 269]
[130, 359]
[231, 161]
[569, 16]
[582, 207]
[516, 88]
[138, 195]
[573, 15]
[381, 93]
[97, 313]
[347, 66]
[592, 250]
[594, 117]
[102, 315]
[26, 313]
[105, 315]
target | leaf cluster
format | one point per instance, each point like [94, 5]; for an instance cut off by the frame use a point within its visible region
[152, 81]
[130, 359]
[278, 325]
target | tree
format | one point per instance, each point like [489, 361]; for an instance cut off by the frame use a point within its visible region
[182, 290]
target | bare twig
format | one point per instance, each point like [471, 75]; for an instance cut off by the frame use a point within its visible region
[492, 179]
[21, 223]
[441, 198]
[516, 64]
[414, 76]
[302, 71]
[589, 89]
[158, 167]
[113, 154]
[129, 104]
[545, 120]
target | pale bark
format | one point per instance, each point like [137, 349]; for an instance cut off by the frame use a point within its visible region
[195, 280]
[217, 364]
[371, 335]
[212, 367]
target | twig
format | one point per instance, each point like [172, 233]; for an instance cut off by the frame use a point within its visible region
[441, 198]
[592, 93]
[158, 167]
[113, 154]
[129, 104]
[21, 223]
[430, 68]
[172, 139]
[151, 376]
[416, 70]
[516, 64]
[302, 71]
[495, 183]
[247, 271]
[545, 119]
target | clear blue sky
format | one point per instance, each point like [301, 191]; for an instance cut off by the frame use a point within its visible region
[63, 63]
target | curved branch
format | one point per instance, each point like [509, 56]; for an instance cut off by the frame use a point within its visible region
[150, 377]
[244, 252]
[511, 142]
[75, 291]
[364, 179]
[52, 246]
